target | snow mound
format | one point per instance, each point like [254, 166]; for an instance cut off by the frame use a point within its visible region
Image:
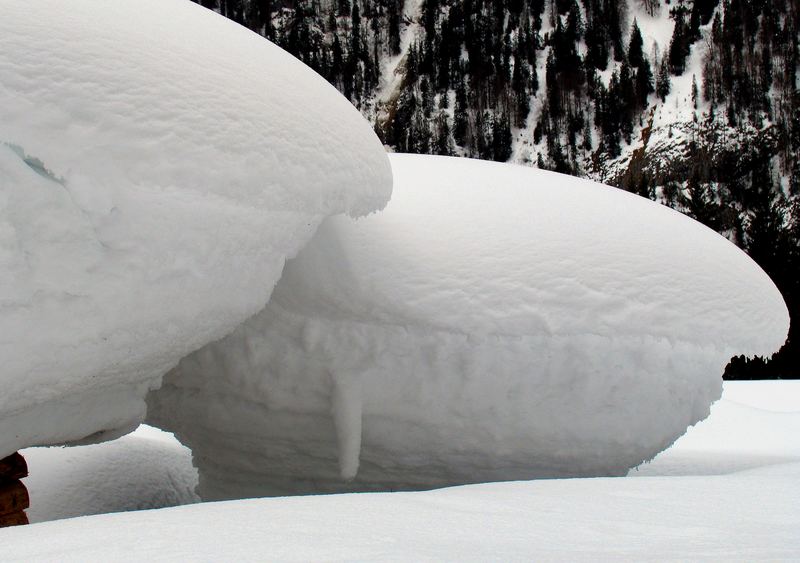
[493, 323]
[154, 176]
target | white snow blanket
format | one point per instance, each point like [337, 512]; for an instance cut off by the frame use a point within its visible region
[158, 163]
[727, 490]
[493, 323]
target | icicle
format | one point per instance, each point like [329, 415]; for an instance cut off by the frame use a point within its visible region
[346, 408]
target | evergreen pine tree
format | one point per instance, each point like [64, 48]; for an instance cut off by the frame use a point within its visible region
[627, 100]
[644, 84]
[663, 85]
[501, 138]
[680, 43]
[635, 53]
[355, 33]
[460, 119]
[444, 145]
[394, 28]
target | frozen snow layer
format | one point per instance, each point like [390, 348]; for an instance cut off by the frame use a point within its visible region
[158, 163]
[752, 512]
[493, 323]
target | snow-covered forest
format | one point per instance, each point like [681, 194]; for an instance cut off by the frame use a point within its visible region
[695, 104]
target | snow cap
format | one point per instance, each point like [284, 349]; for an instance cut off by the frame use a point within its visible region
[494, 322]
[484, 248]
[158, 163]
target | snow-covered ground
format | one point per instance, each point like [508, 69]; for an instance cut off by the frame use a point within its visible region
[727, 490]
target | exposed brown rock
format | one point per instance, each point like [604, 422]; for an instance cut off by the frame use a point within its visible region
[13, 497]
[18, 518]
[13, 468]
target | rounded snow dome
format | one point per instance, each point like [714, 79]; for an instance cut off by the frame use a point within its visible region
[158, 164]
[495, 322]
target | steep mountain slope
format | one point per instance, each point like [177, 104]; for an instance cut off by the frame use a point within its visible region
[694, 103]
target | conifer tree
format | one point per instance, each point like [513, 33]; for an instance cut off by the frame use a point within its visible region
[635, 53]
[460, 118]
[680, 43]
[444, 144]
[663, 84]
[627, 100]
[355, 33]
[394, 29]
[501, 138]
[644, 84]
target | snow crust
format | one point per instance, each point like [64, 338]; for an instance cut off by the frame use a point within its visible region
[493, 323]
[689, 504]
[150, 192]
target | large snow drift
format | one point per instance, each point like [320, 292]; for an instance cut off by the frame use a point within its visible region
[158, 163]
[493, 323]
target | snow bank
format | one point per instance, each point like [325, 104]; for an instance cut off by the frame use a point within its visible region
[158, 163]
[493, 323]
[684, 509]
[743, 517]
[692, 514]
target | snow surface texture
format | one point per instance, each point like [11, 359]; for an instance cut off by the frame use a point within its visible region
[150, 192]
[688, 507]
[146, 469]
[493, 323]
